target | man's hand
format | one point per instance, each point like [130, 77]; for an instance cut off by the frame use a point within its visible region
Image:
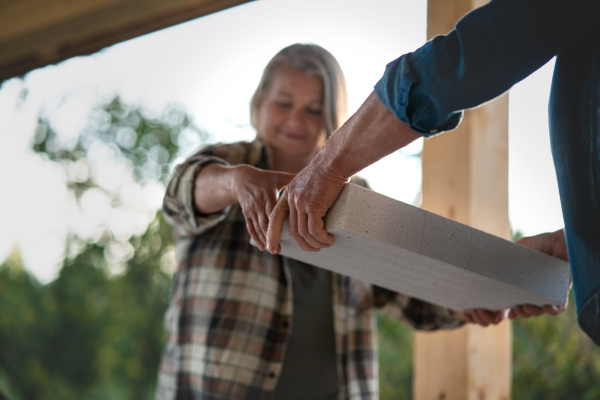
[484, 317]
[551, 243]
[306, 200]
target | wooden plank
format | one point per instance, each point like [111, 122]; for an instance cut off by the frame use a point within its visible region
[465, 177]
[32, 37]
[24, 16]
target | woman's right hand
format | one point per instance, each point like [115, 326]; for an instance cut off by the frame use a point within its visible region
[256, 190]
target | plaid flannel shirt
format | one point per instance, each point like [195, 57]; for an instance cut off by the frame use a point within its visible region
[231, 308]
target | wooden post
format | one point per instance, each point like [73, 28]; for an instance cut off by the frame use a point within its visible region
[465, 177]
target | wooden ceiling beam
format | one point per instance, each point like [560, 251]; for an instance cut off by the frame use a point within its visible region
[36, 33]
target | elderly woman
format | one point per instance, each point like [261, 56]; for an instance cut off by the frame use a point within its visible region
[246, 324]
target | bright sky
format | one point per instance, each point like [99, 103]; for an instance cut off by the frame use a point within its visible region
[211, 67]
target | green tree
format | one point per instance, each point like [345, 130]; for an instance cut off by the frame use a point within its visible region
[553, 359]
[395, 359]
[96, 331]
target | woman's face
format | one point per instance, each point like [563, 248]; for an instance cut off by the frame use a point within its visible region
[290, 117]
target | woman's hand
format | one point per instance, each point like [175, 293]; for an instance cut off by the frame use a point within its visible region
[306, 200]
[484, 317]
[527, 311]
[256, 190]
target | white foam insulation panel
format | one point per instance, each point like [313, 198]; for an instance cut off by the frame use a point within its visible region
[421, 254]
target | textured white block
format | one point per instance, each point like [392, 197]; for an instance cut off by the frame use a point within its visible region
[421, 254]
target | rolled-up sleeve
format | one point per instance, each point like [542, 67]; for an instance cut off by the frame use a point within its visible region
[490, 49]
[178, 203]
[421, 315]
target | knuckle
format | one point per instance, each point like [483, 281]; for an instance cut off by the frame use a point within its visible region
[275, 213]
[264, 224]
[302, 244]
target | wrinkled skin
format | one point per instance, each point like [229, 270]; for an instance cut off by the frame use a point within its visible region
[256, 190]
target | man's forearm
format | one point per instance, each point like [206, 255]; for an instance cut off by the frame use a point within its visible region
[372, 133]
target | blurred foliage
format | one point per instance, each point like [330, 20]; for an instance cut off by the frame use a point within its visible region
[93, 333]
[147, 143]
[553, 359]
[517, 235]
[395, 359]
[87, 335]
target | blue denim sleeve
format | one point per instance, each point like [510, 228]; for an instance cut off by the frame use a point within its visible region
[490, 49]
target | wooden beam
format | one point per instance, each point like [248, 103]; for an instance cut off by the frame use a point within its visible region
[36, 33]
[465, 177]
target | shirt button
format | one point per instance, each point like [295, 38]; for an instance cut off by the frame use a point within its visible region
[271, 375]
[433, 131]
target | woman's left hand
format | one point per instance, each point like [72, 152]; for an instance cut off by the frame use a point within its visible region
[484, 317]
[256, 191]
[528, 310]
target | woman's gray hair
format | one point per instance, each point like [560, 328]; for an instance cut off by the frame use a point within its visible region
[314, 61]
